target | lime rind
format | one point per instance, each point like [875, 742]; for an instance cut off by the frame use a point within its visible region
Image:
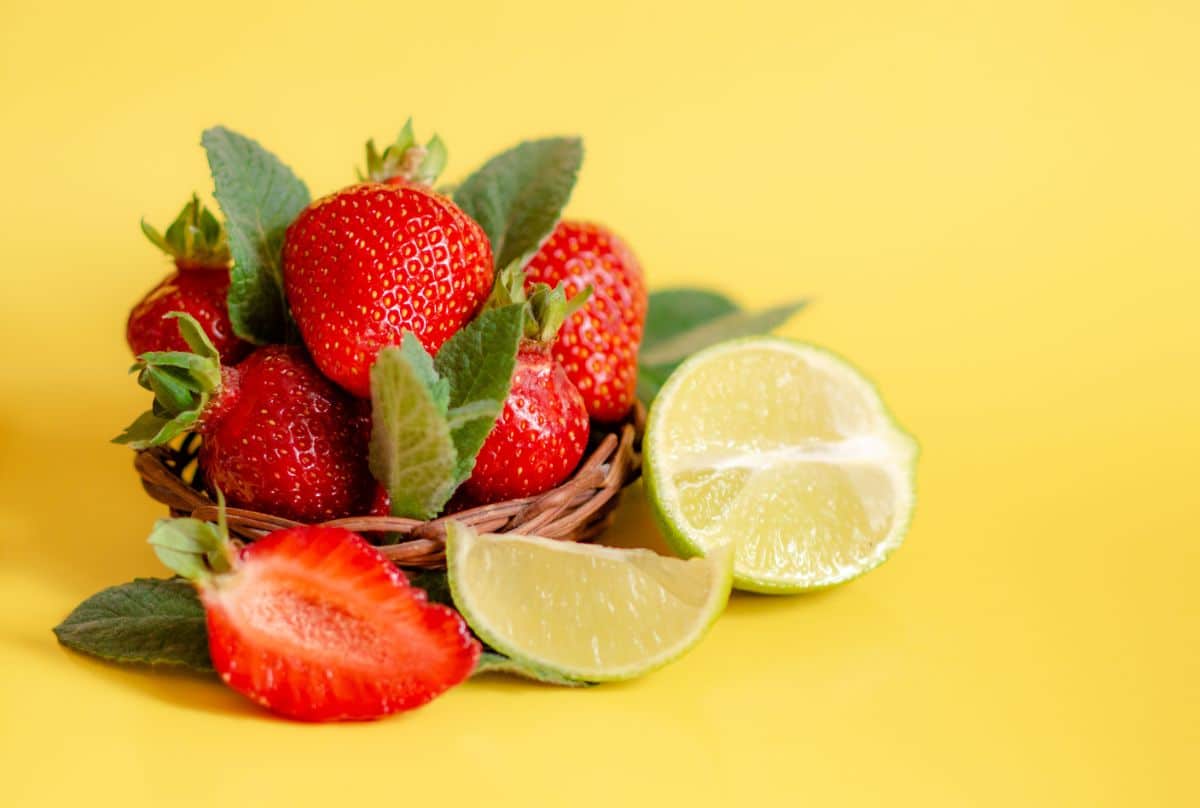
[461, 540]
[904, 451]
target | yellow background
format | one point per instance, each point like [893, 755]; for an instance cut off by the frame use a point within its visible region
[995, 209]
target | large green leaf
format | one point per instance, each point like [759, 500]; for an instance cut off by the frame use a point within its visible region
[683, 321]
[260, 197]
[147, 620]
[730, 326]
[674, 311]
[518, 196]
[412, 453]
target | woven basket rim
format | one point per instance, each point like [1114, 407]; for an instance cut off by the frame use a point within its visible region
[579, 509]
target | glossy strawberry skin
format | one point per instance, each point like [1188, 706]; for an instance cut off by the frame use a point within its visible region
[367, 263]
[539, 437]
[281, 438]
[198, 291]
[317, 625]
[598, 345]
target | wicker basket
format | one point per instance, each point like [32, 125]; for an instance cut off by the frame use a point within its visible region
[578, 510]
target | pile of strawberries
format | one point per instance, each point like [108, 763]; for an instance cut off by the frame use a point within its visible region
[286, 426]
[282, 373]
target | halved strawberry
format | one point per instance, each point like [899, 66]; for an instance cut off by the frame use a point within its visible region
[315, 624]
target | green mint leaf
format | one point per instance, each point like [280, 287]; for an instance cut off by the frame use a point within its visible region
[461, 417]
[422, 365]
[260, 197]
[412, 453]
[492, 662]
[148, 620]
[478, 362]
[682, 321]
[518, 196]
[673, 311]
[730, 326]
[431, 416]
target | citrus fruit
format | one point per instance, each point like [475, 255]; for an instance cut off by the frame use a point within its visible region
[583, 611]
[785, 451]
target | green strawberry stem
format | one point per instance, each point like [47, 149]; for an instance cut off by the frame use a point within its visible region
[182, 383]
[194, 549]
[546, 309]
[195, 239]
[406, 160]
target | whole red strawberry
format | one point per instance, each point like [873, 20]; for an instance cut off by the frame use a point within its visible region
[598, 345]
[277, 435]
[367, 263]
[315, 624]
[541, 433]
[199, 286]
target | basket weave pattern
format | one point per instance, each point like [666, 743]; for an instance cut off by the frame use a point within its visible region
[577, 510]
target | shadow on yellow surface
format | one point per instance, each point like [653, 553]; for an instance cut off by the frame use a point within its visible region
[179, 689]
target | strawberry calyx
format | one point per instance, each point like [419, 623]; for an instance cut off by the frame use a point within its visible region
[196, 239]
[546, 309]
[405, 161]
[182, 382]
[194, 549]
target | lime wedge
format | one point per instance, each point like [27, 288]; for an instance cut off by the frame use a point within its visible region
[785, 451]
[586, 612]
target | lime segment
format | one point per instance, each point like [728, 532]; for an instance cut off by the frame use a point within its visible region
[587, 612]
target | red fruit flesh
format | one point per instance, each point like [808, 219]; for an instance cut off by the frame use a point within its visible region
[198, 291]
[366, 264]
[317, 625]
[281, 438]
[539, 437]
[598, 345]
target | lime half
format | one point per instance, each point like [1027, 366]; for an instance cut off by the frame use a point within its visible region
[586, 612]
[784, 451]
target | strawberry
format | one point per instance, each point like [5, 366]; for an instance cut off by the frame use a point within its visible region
[277, 435]
[541, 433]
[598, 346]
[199, 287]
[369, 262]
[315, 624]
